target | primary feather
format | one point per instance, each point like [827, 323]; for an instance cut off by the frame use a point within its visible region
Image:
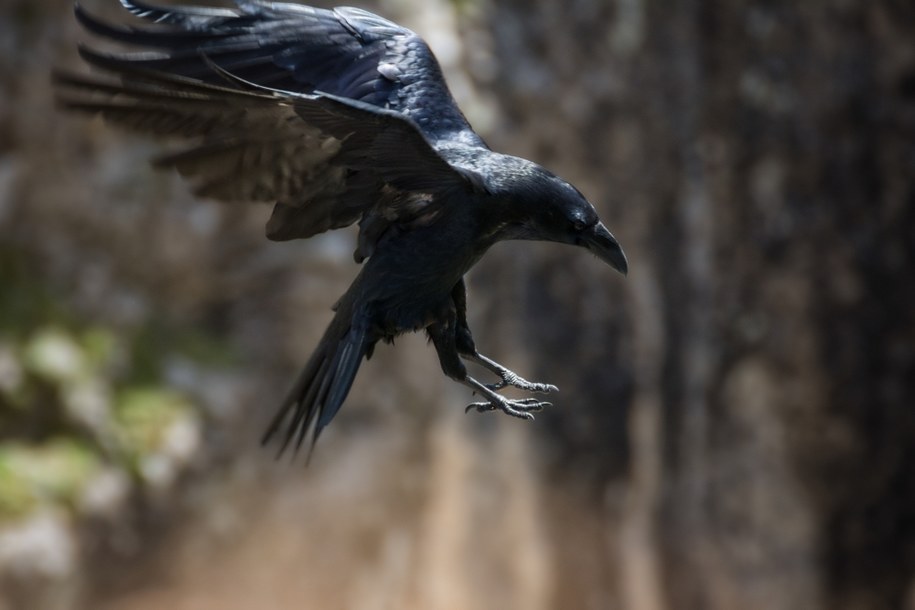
[299, 106]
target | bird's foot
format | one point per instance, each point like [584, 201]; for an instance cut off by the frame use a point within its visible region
[521, 407]
[512, 379]
[509, 378]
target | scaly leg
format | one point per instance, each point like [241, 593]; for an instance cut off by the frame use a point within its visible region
[443, 338]
[463, 343]
[508, 377]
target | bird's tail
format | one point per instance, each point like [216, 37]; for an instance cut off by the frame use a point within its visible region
[323, 385]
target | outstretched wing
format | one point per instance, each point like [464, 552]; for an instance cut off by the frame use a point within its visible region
[328, 150]
[347, 52]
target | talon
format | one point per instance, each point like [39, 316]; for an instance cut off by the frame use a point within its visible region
[532, 404]
[481, 407]
[511, 379]
[522, 408]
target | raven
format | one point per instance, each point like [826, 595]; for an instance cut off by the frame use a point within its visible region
[338, 116]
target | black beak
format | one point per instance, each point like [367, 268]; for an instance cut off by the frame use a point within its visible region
[601, 242]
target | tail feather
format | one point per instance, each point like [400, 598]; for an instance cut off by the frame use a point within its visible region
[347, 364]
[322, 386]
[304, 411]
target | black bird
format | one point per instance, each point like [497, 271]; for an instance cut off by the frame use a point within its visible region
[339, 116]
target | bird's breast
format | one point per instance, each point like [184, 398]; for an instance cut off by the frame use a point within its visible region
[409, 281]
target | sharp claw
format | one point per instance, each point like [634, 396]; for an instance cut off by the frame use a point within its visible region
[521, 408]
[481, 407]
[511, 379]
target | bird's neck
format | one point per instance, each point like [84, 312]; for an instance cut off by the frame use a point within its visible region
[500, 220]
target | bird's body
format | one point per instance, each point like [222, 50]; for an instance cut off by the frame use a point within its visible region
[340, 117]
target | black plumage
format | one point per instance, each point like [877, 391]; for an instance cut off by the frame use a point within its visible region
[339, 116]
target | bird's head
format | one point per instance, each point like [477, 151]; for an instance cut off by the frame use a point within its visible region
[548, 208]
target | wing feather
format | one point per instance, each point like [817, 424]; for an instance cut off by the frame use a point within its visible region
[308, 108]
[346, 52]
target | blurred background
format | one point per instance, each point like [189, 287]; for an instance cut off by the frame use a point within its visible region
[736, 426]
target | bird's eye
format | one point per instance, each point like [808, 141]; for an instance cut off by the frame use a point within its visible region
[578, 225]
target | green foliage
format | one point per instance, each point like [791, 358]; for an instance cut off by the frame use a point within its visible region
[53, 472]
[55, 356]
[77, 397]
[144, 416]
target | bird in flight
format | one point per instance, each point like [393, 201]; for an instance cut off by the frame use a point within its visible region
[338, 117]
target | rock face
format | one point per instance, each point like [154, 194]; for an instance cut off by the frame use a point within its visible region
[736, 424]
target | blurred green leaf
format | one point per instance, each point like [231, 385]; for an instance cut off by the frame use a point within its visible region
[53, 472]
[55, 356]
[143, 416]
[101, 347]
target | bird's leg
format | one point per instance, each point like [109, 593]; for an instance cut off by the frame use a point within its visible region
[509, 378]
[468, 350]
[442, 335]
